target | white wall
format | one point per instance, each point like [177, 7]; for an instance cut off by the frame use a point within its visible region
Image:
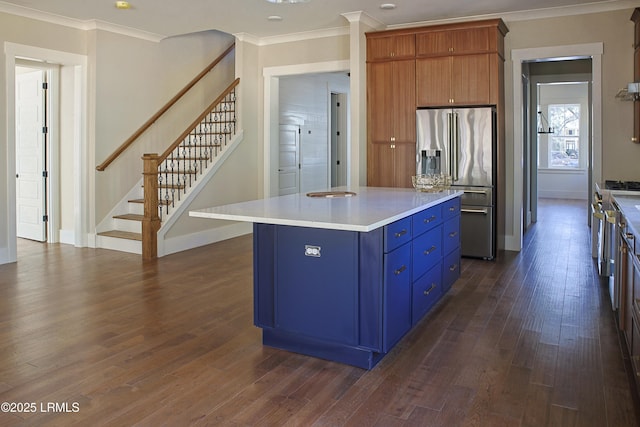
[307, 98]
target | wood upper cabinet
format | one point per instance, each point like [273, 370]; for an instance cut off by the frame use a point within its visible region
[454, 80]
[391, 47]
[459, 66]
[454, 42]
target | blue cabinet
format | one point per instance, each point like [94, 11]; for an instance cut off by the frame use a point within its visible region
[351, 296]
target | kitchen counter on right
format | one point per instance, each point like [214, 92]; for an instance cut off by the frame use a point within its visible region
[630, 207]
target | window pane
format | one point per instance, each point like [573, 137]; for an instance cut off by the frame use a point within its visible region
[564, 143]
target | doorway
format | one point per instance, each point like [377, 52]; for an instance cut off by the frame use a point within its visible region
[35, 105]
[312, 111]
[557, 132]
[69, 158]
[515, 190]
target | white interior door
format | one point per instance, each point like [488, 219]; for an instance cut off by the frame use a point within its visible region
[30, 156]
[289, 160]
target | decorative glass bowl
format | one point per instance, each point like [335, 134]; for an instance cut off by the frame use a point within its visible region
[431, 183]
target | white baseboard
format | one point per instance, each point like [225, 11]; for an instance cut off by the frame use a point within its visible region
[203, 238]
[566, 195]
[4, 256]
[68, 237]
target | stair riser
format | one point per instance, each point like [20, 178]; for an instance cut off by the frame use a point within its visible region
[136, 208]
[127, 225]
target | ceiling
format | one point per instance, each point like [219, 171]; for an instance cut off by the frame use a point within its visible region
[164, 18]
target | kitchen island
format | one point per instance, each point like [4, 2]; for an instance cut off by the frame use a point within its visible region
[346, 276]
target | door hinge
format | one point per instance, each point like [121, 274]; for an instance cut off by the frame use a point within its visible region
[337, 104]
[45, 218]
[45, 85]
[338, 133]
[45, 129]
[45, 174]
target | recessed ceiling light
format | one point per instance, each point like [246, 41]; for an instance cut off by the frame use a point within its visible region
[274, 18]
[387, 6]
[123, 5]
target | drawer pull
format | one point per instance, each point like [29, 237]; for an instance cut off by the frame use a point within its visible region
[431, 249]
[453, 208]
[428, 220]
[453, 267]
[453, 234]
[400, 270]
[401, 232]
[428, 291]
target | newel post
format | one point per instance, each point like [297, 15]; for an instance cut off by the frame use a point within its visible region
[151, 221]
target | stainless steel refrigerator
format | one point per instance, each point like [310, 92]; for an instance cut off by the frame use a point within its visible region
[461, 142]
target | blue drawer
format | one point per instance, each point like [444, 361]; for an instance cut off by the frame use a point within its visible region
[450, 269]
[426, 292]
[451, 208]
[451, 234]
[427, 251]
[397, 233]
[426, 220]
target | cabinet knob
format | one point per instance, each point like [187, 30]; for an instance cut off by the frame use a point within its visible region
[634, 139]
[453, 267]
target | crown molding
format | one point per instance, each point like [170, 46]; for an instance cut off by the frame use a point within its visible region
[527, 15]
[306, 35]
[364, 18]
[78, 24]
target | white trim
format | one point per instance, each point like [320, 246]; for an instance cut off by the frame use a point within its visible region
[526, 15]
[193, 192]
[271, 77]
[207, 237]
[294, 37]
[83, 180]
[67, 237]
[513, 238]
[85, 25]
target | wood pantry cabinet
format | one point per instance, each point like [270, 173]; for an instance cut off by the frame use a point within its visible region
[437, 66]
[391, 113]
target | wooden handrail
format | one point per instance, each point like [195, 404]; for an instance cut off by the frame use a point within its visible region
[156, 116]
[184, 134]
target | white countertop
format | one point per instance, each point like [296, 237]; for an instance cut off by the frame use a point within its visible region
[370, 208]
[630, 206]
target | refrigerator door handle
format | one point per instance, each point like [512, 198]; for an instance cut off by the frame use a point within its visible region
[454, 145]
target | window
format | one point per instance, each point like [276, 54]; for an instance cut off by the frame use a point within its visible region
[564, 142]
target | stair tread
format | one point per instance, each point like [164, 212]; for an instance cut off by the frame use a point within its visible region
[141, 201]
[132, 217]
[122, 234]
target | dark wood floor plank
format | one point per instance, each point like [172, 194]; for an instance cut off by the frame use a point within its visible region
[526, 340]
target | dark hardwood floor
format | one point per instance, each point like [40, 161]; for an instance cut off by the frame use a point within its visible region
[527, 340]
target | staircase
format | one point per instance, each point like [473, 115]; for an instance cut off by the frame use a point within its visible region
[170, 178]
